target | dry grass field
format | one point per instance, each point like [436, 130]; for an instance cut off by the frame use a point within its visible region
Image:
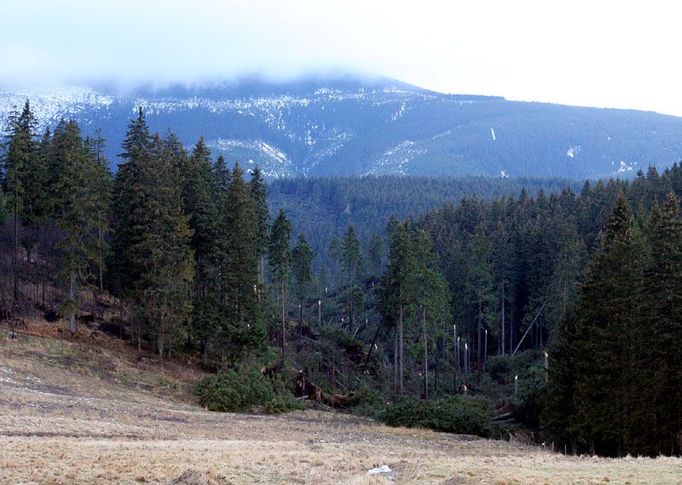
[82, 412]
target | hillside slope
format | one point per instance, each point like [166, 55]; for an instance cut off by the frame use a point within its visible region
[323, 127]
[82, 411]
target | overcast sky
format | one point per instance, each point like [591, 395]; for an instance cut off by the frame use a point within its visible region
[598, 53]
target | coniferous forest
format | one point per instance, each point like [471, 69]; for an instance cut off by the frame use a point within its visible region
[559, 311]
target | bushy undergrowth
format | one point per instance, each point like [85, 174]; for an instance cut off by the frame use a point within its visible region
[242, 389]
[368, 403]
[458, 414]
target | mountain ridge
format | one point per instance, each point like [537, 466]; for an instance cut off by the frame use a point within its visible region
[351, 126]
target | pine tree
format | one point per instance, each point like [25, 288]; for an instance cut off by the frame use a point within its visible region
[280, 262]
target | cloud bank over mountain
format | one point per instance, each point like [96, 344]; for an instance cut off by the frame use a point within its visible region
[578, 52]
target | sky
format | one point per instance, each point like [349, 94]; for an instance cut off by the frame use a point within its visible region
[623, 54]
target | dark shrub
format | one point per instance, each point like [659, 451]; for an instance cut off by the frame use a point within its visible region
[458, 414]
[240, 390]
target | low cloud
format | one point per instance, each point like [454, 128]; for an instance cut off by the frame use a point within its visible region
[575, 52]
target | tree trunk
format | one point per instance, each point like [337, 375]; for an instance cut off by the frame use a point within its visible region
[15, 261]
[350, 300]
[161, 337]
[511, 331]
[300, 314]
[72, 297]
[284, 323]
[485, 348]
[401, 350]
[455, 356]
[478, 339]
[319, 313]
[503, 329]
[101, 259]
[426, 356]
[395, 363]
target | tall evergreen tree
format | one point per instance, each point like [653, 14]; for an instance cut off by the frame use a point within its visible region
[161, 251]
[245, 329]
[280, 262]
[101, 181]
[480, 291]
[127, 204]
[605, 340]
[433, 298]
[17, 165]
[200, 205]
[259, 192]
[76, 196]
[659, 360]
[351, 265]
[399, 293]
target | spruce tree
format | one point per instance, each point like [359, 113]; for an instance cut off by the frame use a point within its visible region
[480, 291]
[399, 293]
[259, 192]
[606, 339]
[76, 197]
[200, 205]
[17, 164]
[245, 326]
[161, 253]
[432, 297]
[280, 262]
[660, 358]
[126, 205]
[351, 266]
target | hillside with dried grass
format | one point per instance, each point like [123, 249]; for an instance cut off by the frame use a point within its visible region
[85, 409]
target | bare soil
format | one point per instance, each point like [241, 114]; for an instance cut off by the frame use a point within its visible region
[91, 410]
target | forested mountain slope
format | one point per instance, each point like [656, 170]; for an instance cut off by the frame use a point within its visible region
[346, 126]
[321, 208]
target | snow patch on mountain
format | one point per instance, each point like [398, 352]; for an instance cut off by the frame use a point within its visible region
[395, 160]
[441, 135]
[624, 167]
[50, 103]
[272, 161]
[492, 133]
[573, 151]
[326, 146]
[399, 114]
